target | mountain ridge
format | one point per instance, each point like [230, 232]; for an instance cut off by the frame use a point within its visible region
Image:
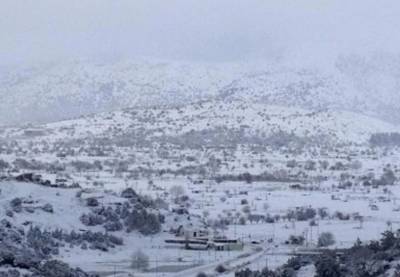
[62, 91]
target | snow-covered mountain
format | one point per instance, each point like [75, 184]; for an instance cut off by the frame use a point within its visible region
[289, 87]
[350, 87]
[66, 90]
[60, 91]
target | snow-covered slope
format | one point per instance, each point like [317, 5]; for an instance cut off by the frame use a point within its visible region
[241, 118]
[290, 87]
[66, 90]
[373, 93]
[58, 91]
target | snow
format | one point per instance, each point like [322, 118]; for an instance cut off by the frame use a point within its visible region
[226, 132]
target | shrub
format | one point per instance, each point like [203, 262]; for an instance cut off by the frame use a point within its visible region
[16, 205]
[296, 240]
[146, 223]
[220, 268]
[92, 219]
[326, 239]
[92, 202]
[60, 269]
[327, 266]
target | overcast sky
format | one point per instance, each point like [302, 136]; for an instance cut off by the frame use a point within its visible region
[204, 30]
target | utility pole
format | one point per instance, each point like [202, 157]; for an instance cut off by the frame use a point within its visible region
[156, 267]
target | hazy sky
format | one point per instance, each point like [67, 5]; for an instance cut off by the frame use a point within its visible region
[205, 30]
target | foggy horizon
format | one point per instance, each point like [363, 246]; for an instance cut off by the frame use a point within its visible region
[299, 32]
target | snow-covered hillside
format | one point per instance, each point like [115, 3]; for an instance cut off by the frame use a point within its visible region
[252, 120]
[66, 90]
[290, 87]
[59, 91]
